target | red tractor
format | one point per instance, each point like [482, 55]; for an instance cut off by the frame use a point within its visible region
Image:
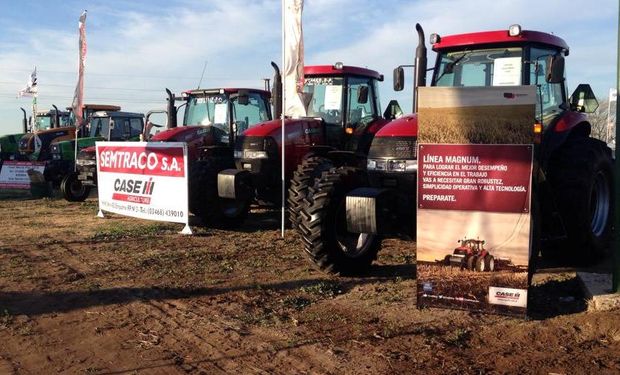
[213, 120]
[573, 183]
[471, 255]
[343, 115]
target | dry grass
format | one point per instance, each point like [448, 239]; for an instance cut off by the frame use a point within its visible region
[479, 125]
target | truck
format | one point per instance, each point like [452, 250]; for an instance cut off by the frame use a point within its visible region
[343, 115]
[344, 220]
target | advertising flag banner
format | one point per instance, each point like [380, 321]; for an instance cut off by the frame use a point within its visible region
[293, 58]
[78, 95]
[144, 180]
[474, 223]
[31, 89]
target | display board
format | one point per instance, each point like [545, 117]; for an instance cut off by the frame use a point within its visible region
[144, 180]
[474, 223]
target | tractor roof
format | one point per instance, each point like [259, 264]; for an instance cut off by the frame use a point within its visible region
[229, 90]
[335, 70]
[101, 107]
[51, 112]
[114, 114]
[498, 37]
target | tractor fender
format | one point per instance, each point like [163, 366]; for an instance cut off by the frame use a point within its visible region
[319, 150]
[368, 210]
[558, 133]
[234, 184]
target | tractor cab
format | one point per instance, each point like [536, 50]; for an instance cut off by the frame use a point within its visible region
[227, 111]
[47, 120]
[213, 118]
[345, 98]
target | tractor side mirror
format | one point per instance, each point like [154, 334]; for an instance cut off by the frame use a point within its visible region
[399, 79]
[554, 69]
[583, 99]
[393, 110]
[362, 95]
[243, 97]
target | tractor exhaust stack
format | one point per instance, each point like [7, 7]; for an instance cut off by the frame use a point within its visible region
[420, 66]
[276, 95]
[56, 123]
[24, 121]
[172, 110]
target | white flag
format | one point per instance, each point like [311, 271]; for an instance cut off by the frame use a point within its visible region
[293, 58]
[31, 87]
[613, 95]
[78, 95]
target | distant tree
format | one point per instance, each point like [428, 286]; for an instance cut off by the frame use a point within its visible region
[599, 121]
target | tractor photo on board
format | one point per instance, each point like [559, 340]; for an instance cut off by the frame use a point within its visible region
[471, 255]
[572, 184]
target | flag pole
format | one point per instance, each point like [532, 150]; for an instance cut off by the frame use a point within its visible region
[282, 115]
[616, 245]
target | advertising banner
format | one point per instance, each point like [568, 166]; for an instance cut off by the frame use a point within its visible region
[144, 180]
[475, 158]
[16, 174]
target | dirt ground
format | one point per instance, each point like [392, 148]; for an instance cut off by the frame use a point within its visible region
[84, 295]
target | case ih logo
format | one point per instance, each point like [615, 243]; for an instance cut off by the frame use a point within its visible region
[508, 296]
[134, 191]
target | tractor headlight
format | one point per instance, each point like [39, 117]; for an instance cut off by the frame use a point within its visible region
[252, 154]
[85, 162]
[392, 165]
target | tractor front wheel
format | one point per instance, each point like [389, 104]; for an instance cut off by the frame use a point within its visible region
[581, 175]
[72, 189]
[323, 225]
[205, 201]
[310, 169]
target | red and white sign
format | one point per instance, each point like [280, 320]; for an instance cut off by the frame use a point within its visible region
[508, 296]
[474, 177]
[144, 180]
[14, 174]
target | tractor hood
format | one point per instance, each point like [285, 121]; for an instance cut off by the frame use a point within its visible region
[406, 126]
[272, 128]
[180, 134]
[46, 137]
[87, 153]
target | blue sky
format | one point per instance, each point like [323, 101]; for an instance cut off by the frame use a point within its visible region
[138, 48]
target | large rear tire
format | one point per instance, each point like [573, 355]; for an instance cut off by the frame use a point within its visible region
[323, 225]
[72, 189]
[582, 179]
[310, 169]
[204, 200]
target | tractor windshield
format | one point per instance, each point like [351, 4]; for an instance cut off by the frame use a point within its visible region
[45, 121]
[207, 109]
[99, 126]
[483, 67]
[246, 115]
[323, 97]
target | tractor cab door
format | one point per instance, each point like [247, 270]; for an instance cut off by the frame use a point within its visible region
[248, 110]
[324, 98]
[551, 95]
[362, 108]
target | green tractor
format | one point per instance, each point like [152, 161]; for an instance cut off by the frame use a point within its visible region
[9, 142]
[103, 125]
